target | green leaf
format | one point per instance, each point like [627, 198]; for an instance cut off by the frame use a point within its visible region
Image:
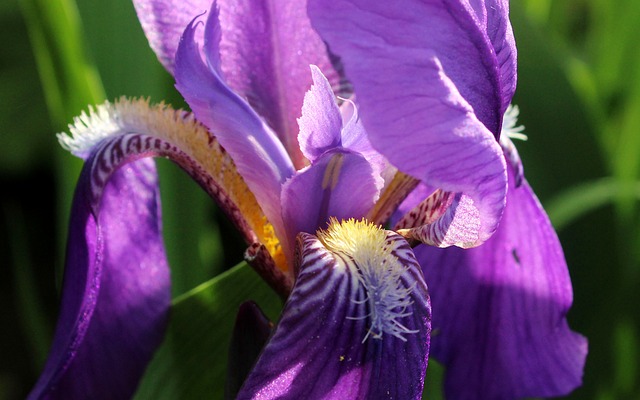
[191, 363]
[69, 79]
[434, 381]
[192, 236]
[576, 202]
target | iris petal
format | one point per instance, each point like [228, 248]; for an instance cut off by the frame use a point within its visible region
[134, 129]
[375, 39]
[163, 22]
[256, 151]
[429, 95]
[116, 289]
[321, 121]
[339, 184]
[500, 309]
[328, 344]
[266, 49]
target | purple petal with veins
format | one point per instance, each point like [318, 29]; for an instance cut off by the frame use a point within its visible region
[321, 120]
[500, 310]
[436, 117]
[266, 49]
[163, 22]
[354, 327]
[257, 152]
[323, 127]
[339, 184]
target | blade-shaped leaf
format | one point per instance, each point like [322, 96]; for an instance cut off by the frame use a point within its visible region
[191, 363]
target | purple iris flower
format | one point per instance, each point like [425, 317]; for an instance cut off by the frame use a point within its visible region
[309, 182]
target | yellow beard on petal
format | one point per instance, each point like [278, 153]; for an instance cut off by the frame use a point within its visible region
[367, 250]
[361, 240]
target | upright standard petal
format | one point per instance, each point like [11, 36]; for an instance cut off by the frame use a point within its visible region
[266, 49]
[340, 184]
[163, 21]
[325, 126]
[493, 18]
[255, 149]
[321, 120]
[116, 285]
[356, 325]
[500, 310]
[428, 94]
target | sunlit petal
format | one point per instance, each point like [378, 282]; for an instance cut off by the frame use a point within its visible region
[356, 325]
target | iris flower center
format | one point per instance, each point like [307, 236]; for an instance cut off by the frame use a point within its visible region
[365, 249]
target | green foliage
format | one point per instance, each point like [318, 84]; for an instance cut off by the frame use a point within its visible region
[579, 94]
[191, 364]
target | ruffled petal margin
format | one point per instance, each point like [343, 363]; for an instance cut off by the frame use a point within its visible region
[350, 330]
[500, 310]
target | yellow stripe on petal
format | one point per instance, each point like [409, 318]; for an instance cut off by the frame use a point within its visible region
[392, 195]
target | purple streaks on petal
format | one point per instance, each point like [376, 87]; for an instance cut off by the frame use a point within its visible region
[267, 47]
[163, 21]
[455, 221]
[365, 33]
[116, 289]
[321, 121]
[258, 154]
[317, 350]
[499, 31]
[500, 310]
[428, 101]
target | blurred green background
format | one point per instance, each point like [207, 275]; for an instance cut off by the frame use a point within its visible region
[579, 96]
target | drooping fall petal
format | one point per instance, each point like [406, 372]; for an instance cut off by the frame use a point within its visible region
[116, 289]
[429, 94]
[500, 310]
[356, 325]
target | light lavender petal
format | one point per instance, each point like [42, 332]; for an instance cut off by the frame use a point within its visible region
[428, 93]
[257, 152]
[266, 49]
[321, 120]
[339, 184]
[163, 21]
